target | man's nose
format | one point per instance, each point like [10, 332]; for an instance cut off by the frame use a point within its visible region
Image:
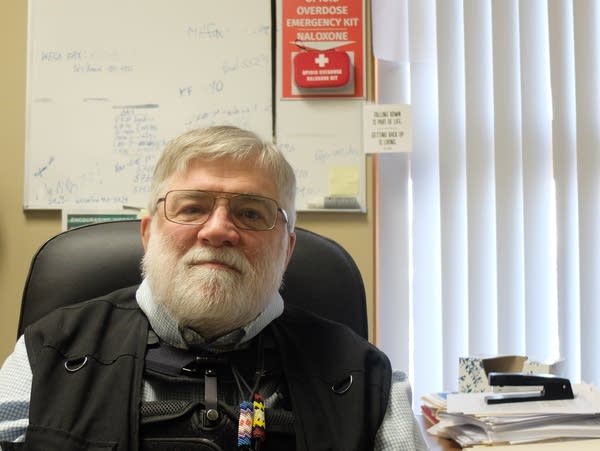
[219, 230]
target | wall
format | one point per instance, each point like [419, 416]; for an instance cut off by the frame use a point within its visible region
[22, 233]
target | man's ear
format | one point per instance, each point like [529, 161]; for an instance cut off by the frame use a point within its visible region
[290, 249]
[145, 226]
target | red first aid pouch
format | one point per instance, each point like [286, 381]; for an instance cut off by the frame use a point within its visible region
[326, 69]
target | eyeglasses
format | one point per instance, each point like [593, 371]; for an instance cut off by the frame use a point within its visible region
[247, 211]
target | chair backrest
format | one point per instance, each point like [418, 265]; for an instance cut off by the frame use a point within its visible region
[95, 259]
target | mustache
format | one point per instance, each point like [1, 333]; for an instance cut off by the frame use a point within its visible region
[224, 256]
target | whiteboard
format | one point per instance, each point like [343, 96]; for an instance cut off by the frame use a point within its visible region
[322, 140]
[109, 82]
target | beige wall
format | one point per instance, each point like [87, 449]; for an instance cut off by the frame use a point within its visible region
[22, 233]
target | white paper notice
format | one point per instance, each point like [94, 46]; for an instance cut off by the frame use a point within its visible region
[387, 128]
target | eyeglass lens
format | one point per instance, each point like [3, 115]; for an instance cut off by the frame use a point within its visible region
[246, 211]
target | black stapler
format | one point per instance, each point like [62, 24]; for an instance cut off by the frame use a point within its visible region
[553, 387]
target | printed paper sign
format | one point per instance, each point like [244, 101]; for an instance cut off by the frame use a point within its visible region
[78, 218]
[387, 128]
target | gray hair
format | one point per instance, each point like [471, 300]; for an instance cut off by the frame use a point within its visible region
[216, 142]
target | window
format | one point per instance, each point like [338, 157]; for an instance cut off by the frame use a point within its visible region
[488, 235]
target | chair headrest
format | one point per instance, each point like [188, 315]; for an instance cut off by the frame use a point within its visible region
[94, 260]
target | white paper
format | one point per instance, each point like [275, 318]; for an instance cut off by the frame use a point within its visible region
[586, 401]
[387, 128]
[572, 445]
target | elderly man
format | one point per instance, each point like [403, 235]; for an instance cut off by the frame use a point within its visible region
[204, 350]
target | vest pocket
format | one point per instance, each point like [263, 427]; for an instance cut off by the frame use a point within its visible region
[39, 438]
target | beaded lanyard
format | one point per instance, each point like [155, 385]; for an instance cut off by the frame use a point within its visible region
[251, 424]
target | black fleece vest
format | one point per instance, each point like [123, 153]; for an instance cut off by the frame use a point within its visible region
[97, 407]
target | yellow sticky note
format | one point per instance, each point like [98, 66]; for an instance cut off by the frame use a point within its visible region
[343, 181]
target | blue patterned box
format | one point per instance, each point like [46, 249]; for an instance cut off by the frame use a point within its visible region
[473, 371]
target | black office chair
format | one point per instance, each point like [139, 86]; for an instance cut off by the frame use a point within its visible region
[95, 259]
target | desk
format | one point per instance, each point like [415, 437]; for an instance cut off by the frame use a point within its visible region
[433, 442]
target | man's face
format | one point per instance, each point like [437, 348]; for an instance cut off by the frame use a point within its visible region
[215, 277]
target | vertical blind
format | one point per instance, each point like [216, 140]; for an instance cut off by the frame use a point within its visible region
[487, 236]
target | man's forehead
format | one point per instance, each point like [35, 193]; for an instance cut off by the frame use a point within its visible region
[225, 174]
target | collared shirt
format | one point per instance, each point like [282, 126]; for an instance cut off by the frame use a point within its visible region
[169, 331]
[399, 430]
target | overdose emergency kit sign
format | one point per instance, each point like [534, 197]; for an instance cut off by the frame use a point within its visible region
[322, 48]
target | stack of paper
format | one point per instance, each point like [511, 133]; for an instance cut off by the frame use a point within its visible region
[561, 445]
[469, 420]
[433, 404]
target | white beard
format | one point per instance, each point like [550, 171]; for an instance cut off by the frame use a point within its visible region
[211, 301]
